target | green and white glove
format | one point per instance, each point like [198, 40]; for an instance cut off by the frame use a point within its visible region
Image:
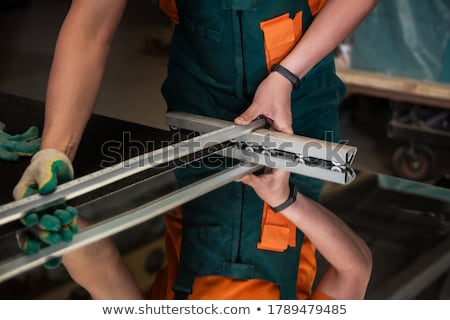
[48, 169]
[14, 146]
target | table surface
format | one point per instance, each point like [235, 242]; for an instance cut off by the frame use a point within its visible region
[400, 220]
[20, 113]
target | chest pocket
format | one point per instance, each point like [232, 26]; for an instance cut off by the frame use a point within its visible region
[316, 6]
[277, 232]
[169, 7]
[280, 36]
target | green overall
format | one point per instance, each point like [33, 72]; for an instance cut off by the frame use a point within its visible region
[217, 60]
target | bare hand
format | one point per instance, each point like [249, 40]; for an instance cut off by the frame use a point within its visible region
[273, 101]
[272, 186]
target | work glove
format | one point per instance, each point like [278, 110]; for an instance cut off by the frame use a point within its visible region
[48, 169]
[14, 146]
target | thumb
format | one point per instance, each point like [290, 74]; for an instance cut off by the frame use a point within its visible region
[249, 179]
[248, 116]
[47, 169]
[26, 186]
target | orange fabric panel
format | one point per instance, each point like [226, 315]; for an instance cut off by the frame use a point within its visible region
[222, 288]
[306, 270]
[161, 288]
[277, 232]
[317, 295]
[316, 5]
[298, 26]
[169, 7]
[280, 36]
[274, 238]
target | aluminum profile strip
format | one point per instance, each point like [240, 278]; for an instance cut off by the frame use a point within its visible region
[337, 153]
[72, 189]
[126, 220]
[182, 120]
[340, 175]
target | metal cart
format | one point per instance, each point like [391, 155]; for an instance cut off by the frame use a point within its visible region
[420, 118]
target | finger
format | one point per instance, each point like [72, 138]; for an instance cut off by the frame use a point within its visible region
[66, 234]
[62, 171]
[69, 220]
[31, 133]
[250, 180]
[289, 130]
[268, 170]
[73, 225]
[248, 116]
[28, 243]
[46, 237]
[49, 222]
[26, 148]
[30, 190]
[241, 179]
[64, 216]
[53, 263]
[59, 173]
[280, 173]
[26, 186]
[72, 210]
[8, 156]
[30, 219]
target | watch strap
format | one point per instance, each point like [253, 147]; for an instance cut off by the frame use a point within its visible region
[288, 75]
[293, 190]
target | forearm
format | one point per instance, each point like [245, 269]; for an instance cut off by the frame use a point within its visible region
[70, 97]
[336, 20]
[324, 228]
[100, 269]
[349, 257]
[77, 70]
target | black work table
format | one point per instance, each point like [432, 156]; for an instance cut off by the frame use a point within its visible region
[20, 113]
[128, 140]
[406, 224]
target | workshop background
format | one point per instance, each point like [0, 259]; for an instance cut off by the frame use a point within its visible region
[396, 67]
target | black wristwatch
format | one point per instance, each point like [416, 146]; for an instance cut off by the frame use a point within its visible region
[288, 75]
[290, 200]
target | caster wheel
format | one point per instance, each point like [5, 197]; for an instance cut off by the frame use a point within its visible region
[413, 163]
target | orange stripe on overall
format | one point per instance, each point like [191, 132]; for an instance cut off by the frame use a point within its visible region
[221, 288]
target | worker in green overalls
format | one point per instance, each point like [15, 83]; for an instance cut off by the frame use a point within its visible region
[233, 60]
